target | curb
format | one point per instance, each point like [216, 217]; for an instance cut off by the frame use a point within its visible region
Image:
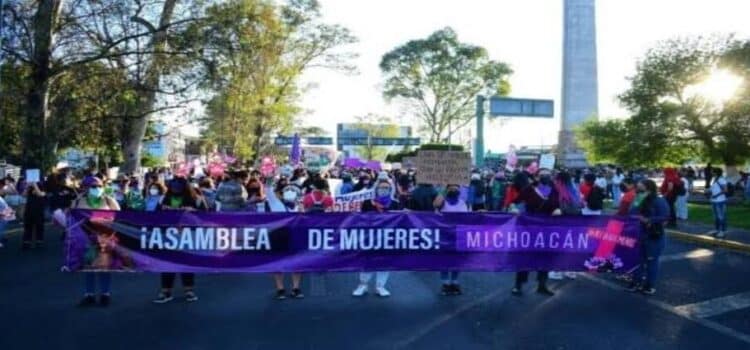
[710, 241]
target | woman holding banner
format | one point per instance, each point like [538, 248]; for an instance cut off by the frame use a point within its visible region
[540, 198]
[382, 202]
[97, 200]
[451, 203]
[180, 196]
[654, 213]
[289, 195]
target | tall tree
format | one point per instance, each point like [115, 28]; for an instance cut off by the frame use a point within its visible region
[439, 77]
[674, 114]
[256, 52]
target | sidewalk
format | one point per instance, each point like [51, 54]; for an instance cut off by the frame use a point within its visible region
[736, 239]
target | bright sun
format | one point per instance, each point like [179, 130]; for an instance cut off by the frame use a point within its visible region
[719, 87]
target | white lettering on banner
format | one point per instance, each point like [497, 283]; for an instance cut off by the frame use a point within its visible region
[499, 240]
[205, 238]
[374, 239]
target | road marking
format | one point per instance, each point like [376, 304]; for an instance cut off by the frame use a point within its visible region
[693, 254]
[718, 306]
[669, 308]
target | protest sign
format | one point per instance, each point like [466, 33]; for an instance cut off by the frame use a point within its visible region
[547, 161]
[443, 167]
[409, 162]
[178, 241]
[33, 175]
[352, 202]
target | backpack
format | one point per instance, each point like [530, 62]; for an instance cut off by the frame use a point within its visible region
[730, 189]
[595, 199]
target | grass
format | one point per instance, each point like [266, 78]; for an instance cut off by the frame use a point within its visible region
[738, 215]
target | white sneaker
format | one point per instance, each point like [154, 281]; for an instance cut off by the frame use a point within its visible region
[360, 291]
[1, 245]
[382, 292]
[571, 275]
[721, 234]
[713, 232]
[555, 275]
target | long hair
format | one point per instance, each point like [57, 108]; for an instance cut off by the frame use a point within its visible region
[648, 202]
[566, 189]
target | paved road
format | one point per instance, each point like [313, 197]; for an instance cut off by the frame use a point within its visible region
[703, 301]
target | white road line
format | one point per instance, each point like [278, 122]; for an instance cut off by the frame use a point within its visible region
[718, 306]
[669, 308]
[693, 254]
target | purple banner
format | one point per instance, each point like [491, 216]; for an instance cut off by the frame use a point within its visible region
[179, 241]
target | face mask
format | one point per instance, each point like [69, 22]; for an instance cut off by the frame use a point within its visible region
[153, 192]
[383, 192]
[96, 192]
[452, 195]
[289, 196]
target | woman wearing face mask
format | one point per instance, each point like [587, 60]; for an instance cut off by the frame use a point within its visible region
[290, 200]
[541, 197]
[180, 196]
[94, 198]
[256, 198]
[154, 196]
[383, 202]
[450, 203]
[364, 182]
[653, 212]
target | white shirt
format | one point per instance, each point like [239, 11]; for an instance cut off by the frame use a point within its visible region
[617, 179]
[716, 189]
[459, 207]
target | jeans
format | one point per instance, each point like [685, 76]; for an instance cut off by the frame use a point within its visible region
[105, 282]
[449, 277]
[720, 216]
[167, 280]
[33, 227]
[671, 201]
[3, 225]
[523, 276]
[616, 195]
[651, 249]
[380, 278]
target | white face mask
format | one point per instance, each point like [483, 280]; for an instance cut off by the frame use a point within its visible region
[153, 192]
[289, 196]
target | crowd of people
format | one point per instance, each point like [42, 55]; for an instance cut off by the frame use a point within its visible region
[296, 189]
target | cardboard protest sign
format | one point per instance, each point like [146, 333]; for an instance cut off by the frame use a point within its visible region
[547, 161]
[409, 162]
[443, 167]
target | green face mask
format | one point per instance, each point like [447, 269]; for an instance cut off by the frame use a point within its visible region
[639, 199]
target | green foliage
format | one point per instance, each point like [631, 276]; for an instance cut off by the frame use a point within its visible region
[439, 77]
[150, 161]
[398, 157]
[376, 126]
[256, 52]
[670, 123]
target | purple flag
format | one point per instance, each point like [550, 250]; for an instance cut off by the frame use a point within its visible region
[295, 154]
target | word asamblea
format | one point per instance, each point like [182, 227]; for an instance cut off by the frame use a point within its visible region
[374, 239]
[205, 238]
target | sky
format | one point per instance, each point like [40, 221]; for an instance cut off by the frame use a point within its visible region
[526, 34]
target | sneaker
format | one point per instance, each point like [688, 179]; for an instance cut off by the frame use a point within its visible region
[571, 275]
[2, 245]
[382, 292]
[721, 234]
[456, 289]
[360, 291]
[633, 287]
[104, 300]
[88, 300]
[543, 290]
[648, 291]
[713, 232]
[163, 298]
[516, 291]
[554, 275]
[445, 290]
[190, 296]
[297, 293]
[280, 294]
[625, 277]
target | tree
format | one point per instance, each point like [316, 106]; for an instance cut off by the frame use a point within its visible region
[438, 78]
[672, 116]
[375, 126]
[256, 52]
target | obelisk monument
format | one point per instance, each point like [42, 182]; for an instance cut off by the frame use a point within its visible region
[579, 82]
